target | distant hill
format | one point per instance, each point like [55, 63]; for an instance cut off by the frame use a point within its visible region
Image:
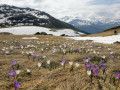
[108, 32]
[114, 28]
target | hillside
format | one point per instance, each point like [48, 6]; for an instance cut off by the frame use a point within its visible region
[107, 32]
[16, 16]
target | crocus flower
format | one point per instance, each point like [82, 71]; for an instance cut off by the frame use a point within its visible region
[85, 60]
[103, 67]
[89, 58]
[95, 72]
[63, 61]
[87, 65]
[28, 70]
[48, 62]
[102, 63]
[39, 64]
[37, 55]
[32, 54]
[20, 45]
[71, 63]
[90, 68]
[62, 64]
[78, 49]
[77, 64]
[103, 57]
[14, 63]
[117, 75]
[17, 72]
[96, 67]
[17, 85]
[12, 73]
[112, 56]
[89, 73]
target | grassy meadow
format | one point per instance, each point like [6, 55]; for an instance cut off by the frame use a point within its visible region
[58, 63]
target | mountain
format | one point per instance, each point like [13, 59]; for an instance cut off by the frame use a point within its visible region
[91, 26]
[16, 16]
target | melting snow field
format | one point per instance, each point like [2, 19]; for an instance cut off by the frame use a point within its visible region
[104, 40]
[30, 38]
[30, 30]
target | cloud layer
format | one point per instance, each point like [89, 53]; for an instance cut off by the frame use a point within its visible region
[85, 9]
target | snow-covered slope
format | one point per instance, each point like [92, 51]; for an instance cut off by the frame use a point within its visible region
[30, 30]
[17, 16]
[104, 40]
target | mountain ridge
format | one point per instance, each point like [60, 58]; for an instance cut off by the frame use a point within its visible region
[18, 16]
[91, 26]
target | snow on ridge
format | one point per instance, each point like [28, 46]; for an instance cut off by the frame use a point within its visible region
[30, 30]
[104, 40]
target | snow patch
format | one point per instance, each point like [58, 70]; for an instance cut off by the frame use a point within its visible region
[104, 40]
[30, 38]
[30, 30]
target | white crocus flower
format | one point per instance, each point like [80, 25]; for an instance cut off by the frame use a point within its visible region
[111, 52]
[7, 52]
[87, 60]
[89, 73]
[39, 64]
[22, 52]
[77, 64]
[94, 51]
[44, 56]
[17, 72]
[28, 70]
[71, 63]
[3, 49]
[48, 62]
[62, 64]
[11, 47]
[42, 49]
[103, 57]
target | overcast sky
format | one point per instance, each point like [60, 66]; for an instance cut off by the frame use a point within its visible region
[85, 9]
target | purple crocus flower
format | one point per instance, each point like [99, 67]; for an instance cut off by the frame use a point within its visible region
[12, 73]
[63, 61]
[117, 75]
[89, 58]
[85, 60]
[14, 63]
[102, 63]
[32, 54]
[17, 85]
[37, 55]
[96, 72]
[103, 67]
[90, 68]
[87, 65]
[20, 45]
[96, 67]
[78, 49]
[112, 56]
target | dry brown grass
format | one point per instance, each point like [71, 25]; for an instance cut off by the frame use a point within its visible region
[58, 78]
